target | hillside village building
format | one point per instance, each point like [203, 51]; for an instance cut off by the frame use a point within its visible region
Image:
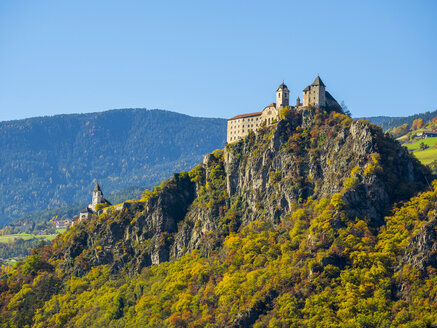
[314, 95]
[91, 208]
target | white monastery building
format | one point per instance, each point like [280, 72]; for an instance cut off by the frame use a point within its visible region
[314, 95]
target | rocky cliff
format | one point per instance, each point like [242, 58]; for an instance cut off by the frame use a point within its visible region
[309, 155]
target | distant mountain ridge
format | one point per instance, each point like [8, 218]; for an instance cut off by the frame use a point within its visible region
[378, 120]
[389, 122]
[52, 161]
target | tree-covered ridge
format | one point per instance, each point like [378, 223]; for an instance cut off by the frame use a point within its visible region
[48, 162]
[278, 230]
[302, 273]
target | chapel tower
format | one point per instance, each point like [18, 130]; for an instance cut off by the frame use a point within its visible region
[97, 196]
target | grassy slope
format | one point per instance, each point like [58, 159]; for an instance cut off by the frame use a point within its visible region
[416, 145]
[425, 156]
[26, 236]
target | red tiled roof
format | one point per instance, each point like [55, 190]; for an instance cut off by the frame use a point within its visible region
[245, 115]
[251, 114]
[271, 105]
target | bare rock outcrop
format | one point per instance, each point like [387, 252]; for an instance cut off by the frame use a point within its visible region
[422, 249]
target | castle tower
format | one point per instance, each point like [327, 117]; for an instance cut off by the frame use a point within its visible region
[282, 96]
[317, 94]
[97, 196]
[298, 102]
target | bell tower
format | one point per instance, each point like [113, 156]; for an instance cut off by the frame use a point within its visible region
[282, 96]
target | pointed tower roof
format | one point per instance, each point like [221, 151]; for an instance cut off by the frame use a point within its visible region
[318, 81]
[282, 86]
[97, 187]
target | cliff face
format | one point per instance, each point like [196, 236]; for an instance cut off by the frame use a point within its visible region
[309, 155]
[353, 158]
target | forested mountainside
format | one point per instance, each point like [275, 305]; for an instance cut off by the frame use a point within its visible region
[387, 122]
[48, 162]
[378, 120]
[318, 221]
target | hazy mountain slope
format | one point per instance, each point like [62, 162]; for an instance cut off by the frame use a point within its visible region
[52, 161]
[308, 223]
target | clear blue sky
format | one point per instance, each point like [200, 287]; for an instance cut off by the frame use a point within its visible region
[214, 58]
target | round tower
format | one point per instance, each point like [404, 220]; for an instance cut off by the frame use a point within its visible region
[282, 96]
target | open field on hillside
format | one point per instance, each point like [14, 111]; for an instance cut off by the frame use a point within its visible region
[426, 156]
[416, 145]
[26, 236]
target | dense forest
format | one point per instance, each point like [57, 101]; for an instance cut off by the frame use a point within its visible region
[19, 247]
[48, 162]
[317, 221]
